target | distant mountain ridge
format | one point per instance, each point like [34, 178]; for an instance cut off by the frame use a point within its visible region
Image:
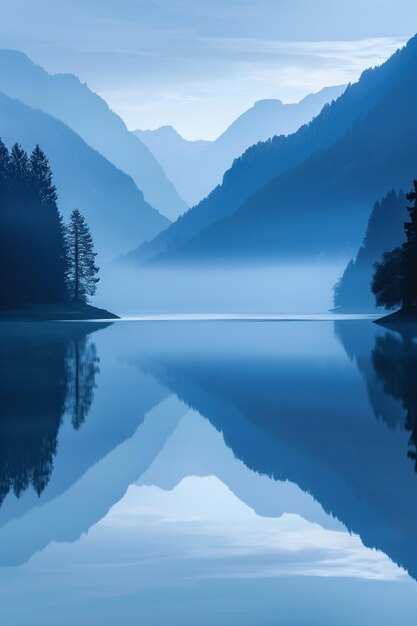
[72, 102]
[165, 140]
[197, 167]
[321, 207]
[109, 199]
[308, 193]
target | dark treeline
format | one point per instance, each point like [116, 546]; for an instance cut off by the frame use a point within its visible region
[385, 231]
[46, 373]
[395, 280]
[32, 242]
[36, 260]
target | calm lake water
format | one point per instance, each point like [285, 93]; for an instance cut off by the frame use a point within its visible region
[208, 473]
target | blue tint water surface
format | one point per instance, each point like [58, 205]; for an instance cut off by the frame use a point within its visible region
[208, 472]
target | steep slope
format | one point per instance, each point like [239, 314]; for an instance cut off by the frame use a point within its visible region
[112, 204]
[66, 519]
[270, 403]
[196, 448]
[321, 207]
[385, 232]
[65, 97]
[266, 161]
[196, 167]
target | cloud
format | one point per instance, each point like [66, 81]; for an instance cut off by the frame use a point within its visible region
[198, 64]
[203, 523]
[206, 84]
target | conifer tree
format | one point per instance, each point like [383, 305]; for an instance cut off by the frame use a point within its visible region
[41, 178]
[19, 177]
[395, 280]
[409, 260]
[32, 244]
[50, 262]
[4, 226]
[82, 270]
[17, 269]
[4, 174]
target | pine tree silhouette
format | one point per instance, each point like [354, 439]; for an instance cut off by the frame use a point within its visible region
[410, 253]
[395, 280]
[82, 270]
[50, 262]
[4, 219]
[4, 174]
[47, 374]
[33, 263]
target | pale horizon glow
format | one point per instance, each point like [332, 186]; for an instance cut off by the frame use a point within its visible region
[289, 71]
[197, 65]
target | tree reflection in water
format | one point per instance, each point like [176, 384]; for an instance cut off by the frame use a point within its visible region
[395, 362]
[46, 370]
[82, 367]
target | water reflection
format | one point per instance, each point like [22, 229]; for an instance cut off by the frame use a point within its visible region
[45, 370]
[297, 412]
[215, 456]
[395, 362]
[388, 362]
[82, 366]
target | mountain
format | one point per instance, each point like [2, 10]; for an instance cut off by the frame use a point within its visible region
[359, 345]
[312, 188]
[196, 167]
[107, 476]
[66, 459]
[196, 448]
[109, 199]
[72, 102]
[384, 233]
[167, 144]
[239, 390]
[161, 450]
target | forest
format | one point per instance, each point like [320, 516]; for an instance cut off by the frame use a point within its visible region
[42, 260]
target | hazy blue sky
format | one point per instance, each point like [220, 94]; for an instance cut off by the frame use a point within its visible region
[197, 64]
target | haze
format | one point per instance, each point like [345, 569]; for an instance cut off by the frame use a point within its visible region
[197, 65]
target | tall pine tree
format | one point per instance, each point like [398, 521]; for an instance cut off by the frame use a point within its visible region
[17, 270]
[82, 270]
[50, 263]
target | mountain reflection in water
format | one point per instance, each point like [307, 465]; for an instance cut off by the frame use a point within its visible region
[211, 450]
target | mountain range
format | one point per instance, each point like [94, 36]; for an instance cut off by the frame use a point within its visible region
[239, 390]
[197, 167]
[66, 98]
[109, 199]
[308, 194]
[189, 412]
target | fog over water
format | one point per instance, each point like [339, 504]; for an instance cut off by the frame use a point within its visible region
[284, 288]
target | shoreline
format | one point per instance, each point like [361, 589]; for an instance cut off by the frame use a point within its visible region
[398, 319]
[56, 313]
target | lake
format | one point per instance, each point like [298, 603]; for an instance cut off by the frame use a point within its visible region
[208, 472]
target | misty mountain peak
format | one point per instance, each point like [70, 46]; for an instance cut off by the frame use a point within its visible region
[65, 97]
[268, 103]
[166, 131]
